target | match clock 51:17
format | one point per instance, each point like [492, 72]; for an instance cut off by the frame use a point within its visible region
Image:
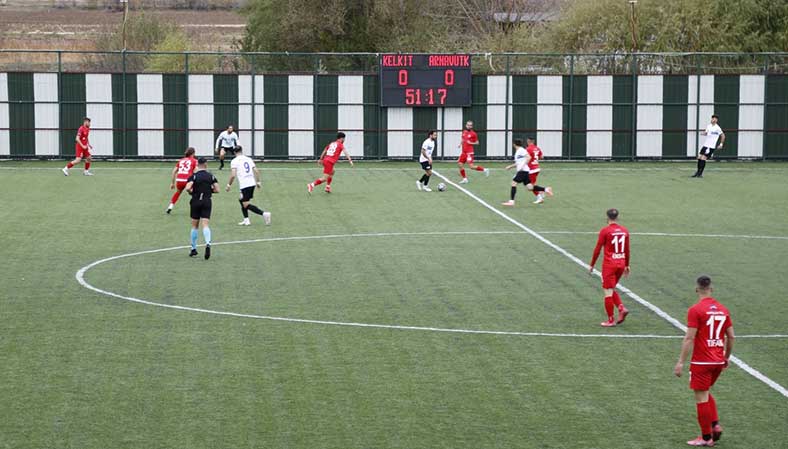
[409, 80]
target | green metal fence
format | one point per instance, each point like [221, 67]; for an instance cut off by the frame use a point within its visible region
[577, 104]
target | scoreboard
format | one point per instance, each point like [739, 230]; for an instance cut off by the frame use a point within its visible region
[408, 80]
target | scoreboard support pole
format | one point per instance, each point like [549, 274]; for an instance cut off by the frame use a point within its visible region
[443, 132]
[506, 113]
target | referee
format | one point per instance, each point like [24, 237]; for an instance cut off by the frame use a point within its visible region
[201, 185]
[226, 143]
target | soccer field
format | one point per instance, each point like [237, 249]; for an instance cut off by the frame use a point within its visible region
[379, 316]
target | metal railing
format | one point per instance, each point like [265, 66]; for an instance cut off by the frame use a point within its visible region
[484, 64]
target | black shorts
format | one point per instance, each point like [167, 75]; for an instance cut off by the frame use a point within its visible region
[227, 150]
[200, 209]
[523, 177]
[706, 151]
[247, 193]
[426, 165]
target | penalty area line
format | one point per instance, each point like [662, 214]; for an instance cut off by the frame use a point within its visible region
[640, 300]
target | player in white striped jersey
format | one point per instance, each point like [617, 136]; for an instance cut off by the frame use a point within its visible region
[425, 159]
[244, 168]
[226, 143]
[713, 133]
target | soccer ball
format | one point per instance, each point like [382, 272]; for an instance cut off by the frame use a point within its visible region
[441, 187]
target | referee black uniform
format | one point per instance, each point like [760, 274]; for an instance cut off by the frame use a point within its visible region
[202, 190]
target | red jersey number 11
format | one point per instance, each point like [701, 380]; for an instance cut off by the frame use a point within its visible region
[619, 243]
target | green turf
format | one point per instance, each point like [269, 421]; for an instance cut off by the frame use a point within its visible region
[83, 370]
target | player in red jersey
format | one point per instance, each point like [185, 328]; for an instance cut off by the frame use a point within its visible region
[329, 157]
[533, 166]
[615, 240]
[180, 175]
[82, 148]
[469, 140]
[710, 336]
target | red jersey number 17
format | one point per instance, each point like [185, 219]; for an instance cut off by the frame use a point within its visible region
[714, 334]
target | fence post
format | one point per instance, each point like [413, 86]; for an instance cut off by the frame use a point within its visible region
[124, 133]
[443, 133]
[634, 125]
[315, 103]
[186, 74]
[254, 121]
[59, 104]
[765, 103]
[571, 102]
[697, 99]
[506, 114]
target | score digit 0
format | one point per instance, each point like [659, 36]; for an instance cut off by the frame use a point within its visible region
[402, 78]
[448, 77]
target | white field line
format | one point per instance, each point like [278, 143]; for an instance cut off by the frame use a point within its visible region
[659, 312]
[80, 276]
[669, 234]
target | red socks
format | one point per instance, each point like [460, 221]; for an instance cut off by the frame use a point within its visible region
[479, 168]
[713, 409]
[318, 182]
[609, 307]
[70, 164]
[704, 417]
[87, 165]
[328, 181]
[617, 300]
[175, 197]
[462, 173]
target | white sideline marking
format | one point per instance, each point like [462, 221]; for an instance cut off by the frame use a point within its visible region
[661, 313]
[668, 234]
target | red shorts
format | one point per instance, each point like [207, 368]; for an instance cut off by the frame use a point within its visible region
[328, 167]
[703, 377]
[466, 157]
[611, 276]
[532, 177]
[82, 153]
[180, 185]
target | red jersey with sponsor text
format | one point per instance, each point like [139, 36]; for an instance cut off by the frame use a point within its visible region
[186, 167]
[333, 151]
[712, 320]
[536, 155]
[614, 238]
[469, 137]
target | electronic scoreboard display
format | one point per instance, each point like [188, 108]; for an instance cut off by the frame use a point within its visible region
[425, 80]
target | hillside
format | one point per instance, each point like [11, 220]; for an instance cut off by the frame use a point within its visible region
[35, 24]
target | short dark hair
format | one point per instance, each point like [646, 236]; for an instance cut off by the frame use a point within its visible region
[239, 149]
[86, 119]
[340, 135]
[715, 116]
[612, 213]
[429, 133]
[704, 282]
[518, 142]
[189, 152]
[531, 138]
[202, 161]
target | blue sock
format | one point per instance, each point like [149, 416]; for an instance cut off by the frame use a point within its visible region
[194, 239]
[206, 232]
